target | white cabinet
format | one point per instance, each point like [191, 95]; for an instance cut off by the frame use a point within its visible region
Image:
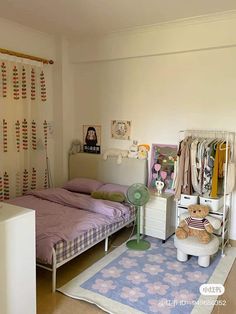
[158, 217]
[17, 261]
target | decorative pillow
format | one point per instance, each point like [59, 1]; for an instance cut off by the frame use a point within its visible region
[110, 196]
[82, 185]
[112, 187]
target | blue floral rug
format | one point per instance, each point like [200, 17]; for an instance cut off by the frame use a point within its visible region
[152, 281]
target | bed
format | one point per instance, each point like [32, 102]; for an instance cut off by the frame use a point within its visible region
[69, 221]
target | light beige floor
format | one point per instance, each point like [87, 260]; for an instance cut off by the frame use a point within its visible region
[57, 303]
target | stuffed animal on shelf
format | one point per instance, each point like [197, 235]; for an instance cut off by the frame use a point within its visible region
[133, 150]
[196, 224]
[75, 147]
[143, 150]
[115, 152]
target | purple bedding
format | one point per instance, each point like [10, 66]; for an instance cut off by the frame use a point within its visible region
[61, 214]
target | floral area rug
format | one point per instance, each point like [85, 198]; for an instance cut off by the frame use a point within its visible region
[152, 281]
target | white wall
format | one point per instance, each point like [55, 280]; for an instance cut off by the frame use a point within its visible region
[164, 79]
[176, 37]
[14, 36]
[63, 110]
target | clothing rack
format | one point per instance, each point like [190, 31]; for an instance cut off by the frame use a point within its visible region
[229, 138]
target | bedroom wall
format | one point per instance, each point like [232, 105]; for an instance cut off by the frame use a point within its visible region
[14, 36]
[163, 78]
[63, 110]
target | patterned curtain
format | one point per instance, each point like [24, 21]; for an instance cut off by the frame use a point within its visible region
[23, 129]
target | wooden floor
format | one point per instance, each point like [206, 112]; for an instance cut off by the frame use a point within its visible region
[57, 303]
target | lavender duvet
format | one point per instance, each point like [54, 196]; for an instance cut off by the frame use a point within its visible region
[65, 215]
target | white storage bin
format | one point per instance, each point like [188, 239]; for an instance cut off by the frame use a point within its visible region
[182, 211]
[218, 232]
[187, 200]
[214, 203]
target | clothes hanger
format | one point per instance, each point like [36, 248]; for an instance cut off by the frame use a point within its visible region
[223, 141]
[219, 141]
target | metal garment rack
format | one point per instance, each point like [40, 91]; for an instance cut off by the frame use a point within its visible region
[229, 138]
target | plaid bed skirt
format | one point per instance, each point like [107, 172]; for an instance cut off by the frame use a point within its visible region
[65, 250]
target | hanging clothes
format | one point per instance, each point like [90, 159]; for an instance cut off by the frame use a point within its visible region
[209, 156]
[187, 184]
[183, 179]
[180, 175]
[218, 171]
[200, 167]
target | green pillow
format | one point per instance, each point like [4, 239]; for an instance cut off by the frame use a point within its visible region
[110, 196]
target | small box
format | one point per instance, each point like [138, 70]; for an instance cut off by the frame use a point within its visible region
[182, 210]
[187, 200]
[218, 232]
[214, 203]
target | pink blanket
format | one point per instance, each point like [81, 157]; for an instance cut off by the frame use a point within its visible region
[64, 215]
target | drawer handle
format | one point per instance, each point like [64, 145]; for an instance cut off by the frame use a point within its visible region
[187, 197]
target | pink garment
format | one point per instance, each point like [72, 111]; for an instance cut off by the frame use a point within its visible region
[180, 174]
[183, 177]
[187, 184]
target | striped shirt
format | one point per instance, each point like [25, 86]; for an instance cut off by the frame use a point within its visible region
[197, 223]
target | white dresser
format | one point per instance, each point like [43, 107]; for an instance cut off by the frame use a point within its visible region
[17, 261]
[158, 218]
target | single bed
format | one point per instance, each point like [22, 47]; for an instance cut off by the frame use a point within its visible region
[69, 221]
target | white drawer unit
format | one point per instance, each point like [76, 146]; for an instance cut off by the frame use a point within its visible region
[17, 262]
[158, 217]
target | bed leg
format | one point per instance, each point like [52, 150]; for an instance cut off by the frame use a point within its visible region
[106, 244]
[54, 271]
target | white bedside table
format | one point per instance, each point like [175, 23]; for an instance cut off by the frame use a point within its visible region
[17, 262]
[158, 217]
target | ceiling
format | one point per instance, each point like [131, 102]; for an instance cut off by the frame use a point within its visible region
[83, 18]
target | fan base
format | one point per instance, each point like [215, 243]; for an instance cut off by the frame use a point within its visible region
[140, 245]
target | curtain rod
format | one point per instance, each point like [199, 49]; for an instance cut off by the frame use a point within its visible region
[25, 56]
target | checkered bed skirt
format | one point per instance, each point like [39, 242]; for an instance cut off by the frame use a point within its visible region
[65, 250]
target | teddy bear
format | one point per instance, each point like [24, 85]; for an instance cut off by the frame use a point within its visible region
[133, 150]
[75, 147]
[143, 150]
[196, 224]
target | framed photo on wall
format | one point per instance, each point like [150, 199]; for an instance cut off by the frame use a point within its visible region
[92, 139]
[120, 129]
[162, 162]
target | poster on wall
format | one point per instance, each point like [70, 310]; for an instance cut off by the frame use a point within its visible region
[163, 158]
[120, 129]
[92, 139]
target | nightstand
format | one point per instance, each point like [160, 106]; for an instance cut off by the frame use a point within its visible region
[17, 263]
[158, 217]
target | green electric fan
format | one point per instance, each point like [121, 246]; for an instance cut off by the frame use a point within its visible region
[138, 195]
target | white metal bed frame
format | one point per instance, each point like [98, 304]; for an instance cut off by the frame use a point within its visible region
[93, 166]
[56, 265]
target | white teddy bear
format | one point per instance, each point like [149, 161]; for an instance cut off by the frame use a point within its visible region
[75, 147]
[133, 150]
[115, 152]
